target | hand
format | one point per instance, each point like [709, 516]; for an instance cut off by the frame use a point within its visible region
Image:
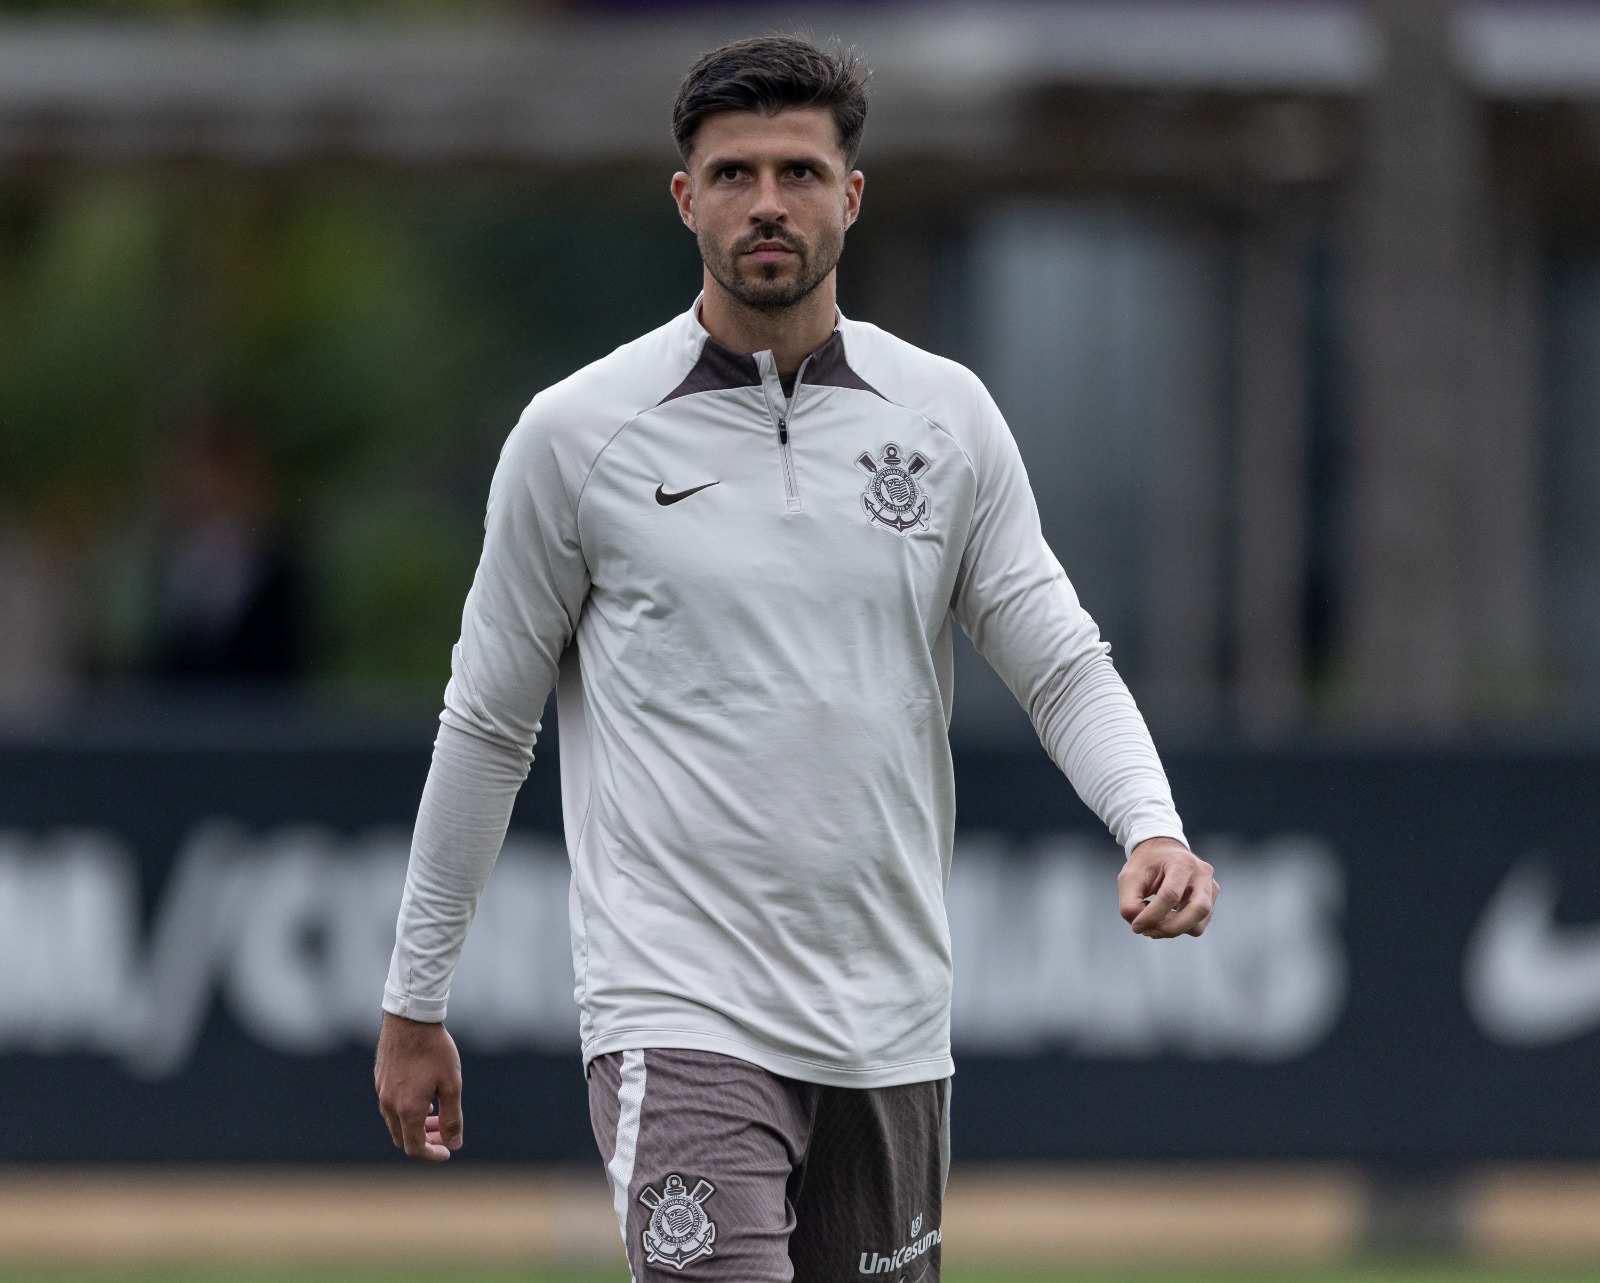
[418, 1064]
[1166, 890]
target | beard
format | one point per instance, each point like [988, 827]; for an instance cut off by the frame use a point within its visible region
[762, 287]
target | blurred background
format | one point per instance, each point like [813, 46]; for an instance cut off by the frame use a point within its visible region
[1294, 309]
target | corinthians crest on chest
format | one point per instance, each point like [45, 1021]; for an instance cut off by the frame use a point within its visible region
[893, 497]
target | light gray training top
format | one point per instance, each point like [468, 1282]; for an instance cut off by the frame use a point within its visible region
[748, 598]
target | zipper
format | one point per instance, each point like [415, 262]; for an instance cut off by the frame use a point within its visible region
[782, 411]
[791, 487]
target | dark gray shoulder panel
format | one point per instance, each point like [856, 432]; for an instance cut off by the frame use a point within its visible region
[829, 369]
[717, 368]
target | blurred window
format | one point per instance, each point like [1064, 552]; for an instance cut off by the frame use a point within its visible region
[1097, 330]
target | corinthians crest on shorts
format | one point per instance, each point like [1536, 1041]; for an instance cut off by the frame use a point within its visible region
[679, 1231]
[893, 498]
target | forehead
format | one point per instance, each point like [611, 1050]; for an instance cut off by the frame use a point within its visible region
[794, 130]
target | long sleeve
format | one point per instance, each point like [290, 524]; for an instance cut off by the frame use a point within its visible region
[520, 616]
[1015, 602]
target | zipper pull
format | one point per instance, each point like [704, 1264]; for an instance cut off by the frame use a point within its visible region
[783, 431]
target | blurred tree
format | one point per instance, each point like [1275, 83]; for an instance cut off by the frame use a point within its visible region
[377, 337]
[77, 282]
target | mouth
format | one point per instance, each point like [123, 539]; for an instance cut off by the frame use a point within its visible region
[769, 252]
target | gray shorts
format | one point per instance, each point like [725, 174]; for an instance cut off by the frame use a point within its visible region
[721, 1170]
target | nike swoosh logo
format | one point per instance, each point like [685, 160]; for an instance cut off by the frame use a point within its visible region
[663, 498]
[1530, 982]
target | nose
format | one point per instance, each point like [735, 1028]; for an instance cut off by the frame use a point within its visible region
[768, 206]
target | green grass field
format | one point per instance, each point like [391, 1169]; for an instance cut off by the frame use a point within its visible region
[1438, 1273]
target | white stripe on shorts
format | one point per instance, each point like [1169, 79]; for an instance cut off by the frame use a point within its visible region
[630, 1100]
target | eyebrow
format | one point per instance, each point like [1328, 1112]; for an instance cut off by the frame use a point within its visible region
[791, 162]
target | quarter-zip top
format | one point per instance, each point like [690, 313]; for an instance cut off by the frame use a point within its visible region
[755, 768]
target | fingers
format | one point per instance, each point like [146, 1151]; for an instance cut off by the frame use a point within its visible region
[450, 1125]
[437, 1139]
[414, 1135]
[391, 1120]
[402, 1111]
[420, 1133]
[1193, 919]
[1192, 915]
[1171, 892]
[386, 1105]
[1133, 884]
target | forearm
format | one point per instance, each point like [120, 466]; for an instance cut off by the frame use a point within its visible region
[461, 825]
[1093, 730]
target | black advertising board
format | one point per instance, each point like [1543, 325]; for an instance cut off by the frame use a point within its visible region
[1405, 967]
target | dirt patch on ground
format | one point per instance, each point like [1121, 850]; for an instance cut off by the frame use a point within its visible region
[993, 1215]
[1028, 1215]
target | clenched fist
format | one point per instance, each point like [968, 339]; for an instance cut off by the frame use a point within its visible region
[1166, 890]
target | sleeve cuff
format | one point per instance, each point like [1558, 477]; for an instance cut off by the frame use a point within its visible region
[430, 1010]
[1173, 831]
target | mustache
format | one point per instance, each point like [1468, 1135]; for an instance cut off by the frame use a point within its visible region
[769, 232]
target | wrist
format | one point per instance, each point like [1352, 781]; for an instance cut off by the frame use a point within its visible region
[1156, 843]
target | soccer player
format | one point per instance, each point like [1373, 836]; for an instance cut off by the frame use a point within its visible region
[736, 547]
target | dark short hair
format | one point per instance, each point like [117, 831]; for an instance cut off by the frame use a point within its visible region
[767, 74]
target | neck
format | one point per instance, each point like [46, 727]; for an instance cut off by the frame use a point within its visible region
[790, 334]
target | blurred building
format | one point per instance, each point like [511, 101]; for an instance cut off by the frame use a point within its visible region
[1290, 304]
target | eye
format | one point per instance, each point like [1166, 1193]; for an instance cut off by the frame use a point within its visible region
[728, 173]
[802, 171]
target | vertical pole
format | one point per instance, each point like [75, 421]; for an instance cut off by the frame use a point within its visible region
[1503, 613]
[1418, 283]
[1185, 596]
[1270, 458]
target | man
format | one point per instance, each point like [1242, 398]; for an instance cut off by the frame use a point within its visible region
[735, 547]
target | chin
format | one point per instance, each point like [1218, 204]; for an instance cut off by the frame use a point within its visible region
[771, 276]
[770, 294]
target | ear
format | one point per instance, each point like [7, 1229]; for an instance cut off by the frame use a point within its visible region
[683, 194]
[854, 183]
